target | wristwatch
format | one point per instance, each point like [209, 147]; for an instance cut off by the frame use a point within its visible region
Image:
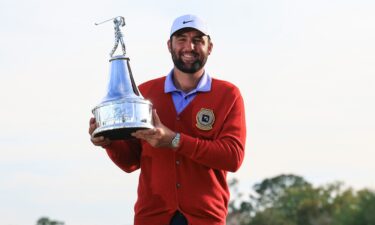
[176, 140]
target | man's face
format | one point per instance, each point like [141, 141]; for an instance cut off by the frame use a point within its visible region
[189, 50]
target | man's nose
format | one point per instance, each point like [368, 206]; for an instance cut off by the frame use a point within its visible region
[189, 45]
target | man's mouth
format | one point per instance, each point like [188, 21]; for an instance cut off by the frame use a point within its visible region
[189, 57]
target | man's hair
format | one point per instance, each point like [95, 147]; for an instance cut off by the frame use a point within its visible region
[179, 32]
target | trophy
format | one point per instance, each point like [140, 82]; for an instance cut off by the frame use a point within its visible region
[123, 110]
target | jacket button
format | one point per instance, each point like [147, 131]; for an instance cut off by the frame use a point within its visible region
[178, 185]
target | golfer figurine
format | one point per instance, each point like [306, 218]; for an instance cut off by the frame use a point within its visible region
[118, 21]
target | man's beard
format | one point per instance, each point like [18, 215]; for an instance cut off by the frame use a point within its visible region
[191, 67]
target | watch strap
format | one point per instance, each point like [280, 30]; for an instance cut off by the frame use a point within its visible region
[176, 140]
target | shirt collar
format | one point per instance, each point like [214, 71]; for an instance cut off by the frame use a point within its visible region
[204, 84]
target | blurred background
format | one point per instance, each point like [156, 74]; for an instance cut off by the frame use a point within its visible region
[305, 69]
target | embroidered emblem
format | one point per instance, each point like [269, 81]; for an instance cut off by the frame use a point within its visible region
[205, 119]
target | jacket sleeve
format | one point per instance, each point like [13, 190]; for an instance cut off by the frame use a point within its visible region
[125, 154]
[226, 152]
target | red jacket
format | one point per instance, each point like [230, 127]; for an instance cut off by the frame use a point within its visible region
[191, 179]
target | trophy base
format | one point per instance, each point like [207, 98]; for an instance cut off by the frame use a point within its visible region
[117, 119]
[119, 134]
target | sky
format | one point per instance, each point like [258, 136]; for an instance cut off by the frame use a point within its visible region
[305, 70]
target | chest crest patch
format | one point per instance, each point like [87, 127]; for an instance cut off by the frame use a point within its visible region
[205, 119]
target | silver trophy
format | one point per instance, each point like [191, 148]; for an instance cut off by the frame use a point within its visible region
[123, 110]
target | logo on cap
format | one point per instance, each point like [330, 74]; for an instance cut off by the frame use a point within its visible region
[189, 21]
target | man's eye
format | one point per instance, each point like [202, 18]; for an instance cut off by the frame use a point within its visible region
[198, 41]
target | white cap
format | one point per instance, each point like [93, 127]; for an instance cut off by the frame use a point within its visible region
[189, 21]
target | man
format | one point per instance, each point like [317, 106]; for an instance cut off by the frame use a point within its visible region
[199, 135]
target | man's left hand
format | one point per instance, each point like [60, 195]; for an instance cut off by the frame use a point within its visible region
[159, 136]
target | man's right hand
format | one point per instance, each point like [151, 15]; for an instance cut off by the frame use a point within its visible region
[98, 141]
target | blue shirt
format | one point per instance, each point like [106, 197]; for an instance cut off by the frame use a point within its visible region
[182, 99]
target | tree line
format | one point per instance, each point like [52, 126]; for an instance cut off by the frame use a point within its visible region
[291, 200]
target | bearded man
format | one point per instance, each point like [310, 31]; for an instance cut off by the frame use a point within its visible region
[199, 135]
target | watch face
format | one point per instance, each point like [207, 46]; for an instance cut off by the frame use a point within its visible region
[176, 140]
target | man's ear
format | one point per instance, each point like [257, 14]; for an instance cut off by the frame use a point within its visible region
[210, 46]
[169, 45]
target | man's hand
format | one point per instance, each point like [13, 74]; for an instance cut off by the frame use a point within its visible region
[98, 141]
[159, 136]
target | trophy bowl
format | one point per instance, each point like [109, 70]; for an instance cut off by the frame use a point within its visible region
[118, 119]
